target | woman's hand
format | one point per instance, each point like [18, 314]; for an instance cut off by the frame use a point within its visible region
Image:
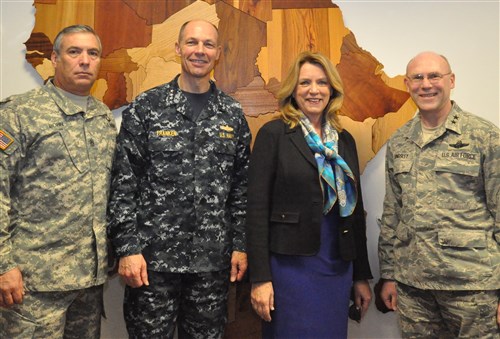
[262, 297]
[362, 295]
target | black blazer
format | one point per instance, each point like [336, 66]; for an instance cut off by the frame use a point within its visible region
[285, 202]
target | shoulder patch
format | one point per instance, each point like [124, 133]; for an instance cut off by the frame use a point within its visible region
[5, 140]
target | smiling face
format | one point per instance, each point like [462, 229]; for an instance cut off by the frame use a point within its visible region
[198, 49]
[77, 63]
[430, 97]
[312, 92]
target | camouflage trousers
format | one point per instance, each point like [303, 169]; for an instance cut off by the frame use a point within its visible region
[194, 302]
[67, 314]
[447, 314]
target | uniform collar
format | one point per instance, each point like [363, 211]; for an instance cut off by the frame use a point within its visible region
[65, 104]
[453, 123]
[179, 99]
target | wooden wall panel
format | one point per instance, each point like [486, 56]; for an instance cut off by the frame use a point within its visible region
[119, 27]
[260, 40]
[259, 9]
[51, 17]
[236, 66]
[157, 11]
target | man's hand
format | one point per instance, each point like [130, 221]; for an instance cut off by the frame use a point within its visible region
[239, 266]
[11, 288]
[389, 295]
[133, 269]
[362, 296]
[262, 298]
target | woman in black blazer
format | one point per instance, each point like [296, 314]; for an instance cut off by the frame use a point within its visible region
[306, 239]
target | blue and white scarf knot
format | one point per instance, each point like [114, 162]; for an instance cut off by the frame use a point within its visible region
[336, 178]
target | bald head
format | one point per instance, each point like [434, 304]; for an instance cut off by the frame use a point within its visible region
[429, 57]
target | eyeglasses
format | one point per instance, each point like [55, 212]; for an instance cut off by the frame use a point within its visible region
[433, 77]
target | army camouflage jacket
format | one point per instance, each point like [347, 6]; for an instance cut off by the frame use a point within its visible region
[179, 186]
[440, 225]
[55, 164]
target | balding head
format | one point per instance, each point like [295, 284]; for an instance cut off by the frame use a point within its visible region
[426, 57]
[206, 24]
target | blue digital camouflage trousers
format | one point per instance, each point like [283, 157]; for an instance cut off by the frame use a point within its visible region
[447, 314]
[67, 314]
[194, 302]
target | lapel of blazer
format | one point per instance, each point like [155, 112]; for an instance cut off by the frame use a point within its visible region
[297, 138]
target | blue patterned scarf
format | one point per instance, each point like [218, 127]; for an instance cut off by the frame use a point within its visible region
[336, 178]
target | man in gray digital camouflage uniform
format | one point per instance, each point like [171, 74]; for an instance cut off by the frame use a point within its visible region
[56, 148]
[178, 198]
[439, 244]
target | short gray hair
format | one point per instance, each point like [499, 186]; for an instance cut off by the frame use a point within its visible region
[74, 29]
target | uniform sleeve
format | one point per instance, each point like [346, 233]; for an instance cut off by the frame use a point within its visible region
[390, 220]
[491, 172]
[11, 151]
[128, 168]
[261, 176]
[238, 194]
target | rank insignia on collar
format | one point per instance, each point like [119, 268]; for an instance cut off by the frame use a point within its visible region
[226, 128]
[5, 140]
[459, 144]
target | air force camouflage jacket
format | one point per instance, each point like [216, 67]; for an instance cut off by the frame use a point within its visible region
[179, 185]
[441, 221]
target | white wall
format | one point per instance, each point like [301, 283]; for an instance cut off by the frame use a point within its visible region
[466, 32]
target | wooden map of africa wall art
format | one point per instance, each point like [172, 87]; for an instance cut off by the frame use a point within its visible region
[260, 39]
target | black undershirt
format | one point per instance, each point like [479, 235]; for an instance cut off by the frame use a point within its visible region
[197, 101]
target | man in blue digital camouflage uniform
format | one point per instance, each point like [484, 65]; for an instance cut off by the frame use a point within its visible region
[57, 143]
[179, 196]
[439, 245]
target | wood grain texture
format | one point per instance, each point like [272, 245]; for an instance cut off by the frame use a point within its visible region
[236, 66]
[288, 4]
[259, 9]
[119, 27]
[255, 99]
[52, 16]
[157, 11]
[368, 95]
[294, 30]
[38, 48]
[260, 39]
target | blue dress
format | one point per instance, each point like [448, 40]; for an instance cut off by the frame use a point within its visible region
[311, 293]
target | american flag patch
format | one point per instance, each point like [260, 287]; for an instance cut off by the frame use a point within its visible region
[5, 140]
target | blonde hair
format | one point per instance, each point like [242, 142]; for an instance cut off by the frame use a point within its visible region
[290, 112]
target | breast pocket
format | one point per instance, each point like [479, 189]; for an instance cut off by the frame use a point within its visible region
[168, 157]
[458, 179]
[225, 152]
[61, 152]
[285, 217]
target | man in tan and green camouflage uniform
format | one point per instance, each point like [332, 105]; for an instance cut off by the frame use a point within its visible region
[56, 148]
[439, 244]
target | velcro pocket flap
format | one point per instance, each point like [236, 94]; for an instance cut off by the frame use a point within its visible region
[465, 239]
